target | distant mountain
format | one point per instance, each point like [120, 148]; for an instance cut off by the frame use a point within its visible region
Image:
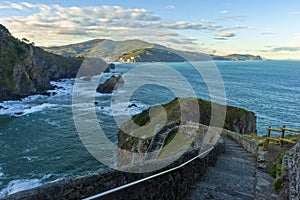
[237, 57]
[74, 50]
[106, 49]
[150, 55]
[118, 50]
[27, 70]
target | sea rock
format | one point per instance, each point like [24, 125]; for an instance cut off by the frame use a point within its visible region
[2, 107]
[132, 105]
[110, 84]
[112, 66]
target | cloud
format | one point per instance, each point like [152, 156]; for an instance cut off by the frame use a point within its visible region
[290, 49]
[184, 41]
[224, 11]
[230, 28]
[228, 35]
[221, 38]
[268, 33]
[232, 17]
[58, 25]
[170, 7]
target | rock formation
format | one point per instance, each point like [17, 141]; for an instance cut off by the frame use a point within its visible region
[110, 84]
[26, 70]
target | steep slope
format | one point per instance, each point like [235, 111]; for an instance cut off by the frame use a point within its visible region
[26, 70]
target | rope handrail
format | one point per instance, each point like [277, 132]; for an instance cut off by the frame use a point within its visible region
[148, 178]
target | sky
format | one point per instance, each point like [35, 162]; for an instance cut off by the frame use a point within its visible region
[260, 27]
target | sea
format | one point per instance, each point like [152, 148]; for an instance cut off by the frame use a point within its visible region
[39, 142]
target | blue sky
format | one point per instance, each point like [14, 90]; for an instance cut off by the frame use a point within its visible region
[267, 28]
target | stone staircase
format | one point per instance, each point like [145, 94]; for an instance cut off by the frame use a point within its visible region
[233, 177]
[159, 139]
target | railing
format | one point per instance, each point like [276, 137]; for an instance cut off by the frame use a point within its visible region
[201, 155]
[281, 139]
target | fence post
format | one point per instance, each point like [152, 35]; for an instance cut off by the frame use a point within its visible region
[266, 144]
[282, 135]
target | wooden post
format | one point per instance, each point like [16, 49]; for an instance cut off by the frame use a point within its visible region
[266, 144]
[282, 135]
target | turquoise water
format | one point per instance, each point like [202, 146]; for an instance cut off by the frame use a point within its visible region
[39, 142]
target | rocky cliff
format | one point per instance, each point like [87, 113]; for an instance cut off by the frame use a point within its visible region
[26, 70]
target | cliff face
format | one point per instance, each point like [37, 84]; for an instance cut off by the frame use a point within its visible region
[26, 70]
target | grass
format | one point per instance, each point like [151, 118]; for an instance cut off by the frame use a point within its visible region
[278, 185]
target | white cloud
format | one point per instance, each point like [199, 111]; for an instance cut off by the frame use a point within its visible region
[224, 11]
[170, 7]
[227, 35]
[56, 25]
[236, 17]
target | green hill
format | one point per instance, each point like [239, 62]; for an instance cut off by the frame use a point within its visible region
[150, 55]
[106, 49]
[115, 50]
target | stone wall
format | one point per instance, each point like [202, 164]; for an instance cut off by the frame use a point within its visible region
[248, 144]
[291, 174]
[172, 185]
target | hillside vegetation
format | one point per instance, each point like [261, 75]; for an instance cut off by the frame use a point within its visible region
[26, 69]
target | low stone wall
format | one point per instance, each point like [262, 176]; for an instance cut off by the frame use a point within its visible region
[248, 144]
[291, 174]
[172, 185]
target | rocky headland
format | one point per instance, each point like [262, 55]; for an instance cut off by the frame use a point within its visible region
[237, 120]
[27, 70]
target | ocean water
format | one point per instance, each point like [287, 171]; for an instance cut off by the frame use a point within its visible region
[38, 138]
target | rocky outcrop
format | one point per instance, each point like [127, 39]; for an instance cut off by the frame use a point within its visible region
[290, 176]
[110, 84]
[26, 70]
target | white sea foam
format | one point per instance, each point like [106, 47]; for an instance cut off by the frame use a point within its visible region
[19, 108]
[30, 158]
[1, 173]
[122, 108]
[19, 185]
[23, 184]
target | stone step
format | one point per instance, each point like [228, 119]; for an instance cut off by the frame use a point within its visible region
[235, 166]
[204, 192]
[227, 181]
[232, 176]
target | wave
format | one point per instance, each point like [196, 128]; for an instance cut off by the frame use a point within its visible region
[24, 184]
[123, 108]
[20, 185]
[18, 109]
